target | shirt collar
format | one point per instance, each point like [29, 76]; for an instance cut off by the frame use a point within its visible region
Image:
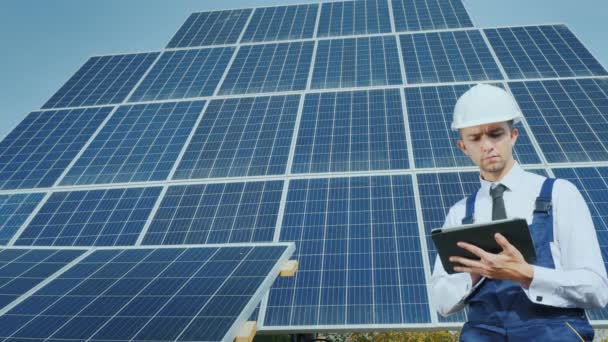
[511, 180]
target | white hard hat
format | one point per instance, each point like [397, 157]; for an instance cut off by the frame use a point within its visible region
[484, 104]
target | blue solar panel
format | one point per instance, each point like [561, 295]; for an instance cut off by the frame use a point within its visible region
[39, 149]
[139, 143]
[591, 182]
[456, 56]
[281, 23]
[430, 115]
[216, 213]
[359, 255]
[112, 217]
[542, 51]
[184, 74]
[417, 15]
[241, 137]
[569, 118]
[269, 68]
[354, 17]
[167, 294]
[14, 210]
[102, 80]
[351, 131]
[356, 62]
[211, 28]
[22, 269]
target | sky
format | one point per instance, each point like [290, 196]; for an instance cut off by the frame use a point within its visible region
[44, 42]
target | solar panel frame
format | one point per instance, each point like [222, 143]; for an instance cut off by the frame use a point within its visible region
[327, 21]
[402, 16]
[88, 94]
[14, 211]
[260, 18]
[49, 141]
[231, 38]
[138, 143]
[103, 255]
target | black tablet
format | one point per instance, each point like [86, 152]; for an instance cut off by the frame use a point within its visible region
[482, 235]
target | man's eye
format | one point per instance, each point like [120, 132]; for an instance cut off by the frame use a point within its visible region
[496, 134]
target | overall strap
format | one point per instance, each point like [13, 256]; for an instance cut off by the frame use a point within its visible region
[543, 201]
[468, 217]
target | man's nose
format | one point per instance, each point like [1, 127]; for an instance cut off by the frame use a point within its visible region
[486, 144]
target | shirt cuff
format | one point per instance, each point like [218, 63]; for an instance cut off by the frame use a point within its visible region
[542, 288]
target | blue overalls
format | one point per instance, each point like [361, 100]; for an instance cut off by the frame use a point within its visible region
[499, 310]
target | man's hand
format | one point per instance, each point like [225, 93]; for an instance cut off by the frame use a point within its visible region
[507, 265]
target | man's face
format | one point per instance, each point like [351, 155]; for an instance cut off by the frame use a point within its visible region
[489, 146]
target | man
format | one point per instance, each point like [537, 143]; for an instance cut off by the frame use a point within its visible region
[507, 298]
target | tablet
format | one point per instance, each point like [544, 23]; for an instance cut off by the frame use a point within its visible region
[482, 235]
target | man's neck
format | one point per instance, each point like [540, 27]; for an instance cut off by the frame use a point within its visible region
[498, 175]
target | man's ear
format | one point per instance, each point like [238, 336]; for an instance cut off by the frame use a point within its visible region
[462, 146]
[514, 135]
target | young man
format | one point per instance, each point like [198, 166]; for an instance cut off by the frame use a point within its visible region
[507, 298]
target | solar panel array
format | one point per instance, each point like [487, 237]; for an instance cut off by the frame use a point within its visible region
[325, 125]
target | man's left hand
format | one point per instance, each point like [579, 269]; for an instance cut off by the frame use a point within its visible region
[506, 265]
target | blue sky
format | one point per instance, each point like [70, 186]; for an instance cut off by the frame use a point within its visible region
[45, 42]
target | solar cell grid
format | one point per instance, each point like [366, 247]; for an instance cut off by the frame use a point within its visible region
[211, 28]
[434, 143]
[342, 18]
[569, 118]
[269, 68]
[241, 137]
[169, 294]
[216, 213]
[184, 74]
[456, 56]
[359, 255]
[351, 131]
[417, 15]
[21, 270]
[356, 62]
[14, 210]
[138, 143]
[37, 151]
[281, 23]
[111, 217]
[591, 182]
[541, 52]
[102, 80]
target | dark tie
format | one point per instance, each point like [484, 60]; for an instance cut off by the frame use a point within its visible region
[498, 204]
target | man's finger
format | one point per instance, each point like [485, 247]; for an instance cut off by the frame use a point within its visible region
[503, 242]
[473, 249]
[466, 262]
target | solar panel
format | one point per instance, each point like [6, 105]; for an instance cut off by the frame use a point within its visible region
[591, 182]
[456, 56]
[541, 52]
[281, 23]
[417, 15]
[164, 294]
[569, 118]
[21, 270]
[358, 248]
[211, 28]
[138, 143]
[356, 62]
[14, 210]
[184, 74]
[102, 80]
[354, 17]
[430, 115]
[216, 213]
[241, 137]
[269, 68]
[39, 149]
[351, 131]
[110, 217]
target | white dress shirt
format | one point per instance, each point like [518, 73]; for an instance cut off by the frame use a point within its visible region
[579, 278]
